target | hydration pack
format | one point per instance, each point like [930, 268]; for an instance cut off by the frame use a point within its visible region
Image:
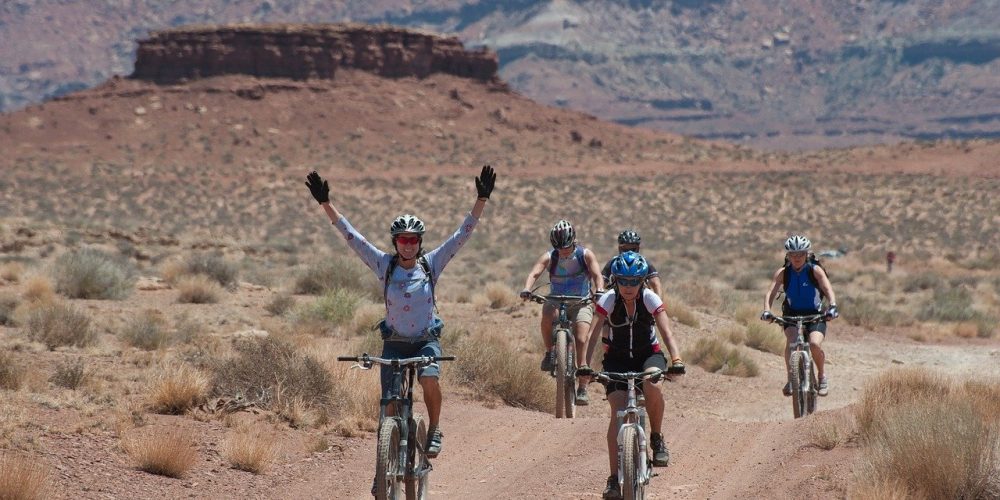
[812, 279]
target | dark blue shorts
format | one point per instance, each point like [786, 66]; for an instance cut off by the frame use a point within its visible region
[622, 363]
[408, 350]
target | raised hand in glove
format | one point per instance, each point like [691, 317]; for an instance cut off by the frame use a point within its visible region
[319, 188]
[485, 182]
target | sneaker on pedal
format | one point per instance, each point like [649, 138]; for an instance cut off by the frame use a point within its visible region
[787, 391]
[548, 363]
[582, 399]
[824, 387]
[612, 491]
[661, 456]
[434, 436]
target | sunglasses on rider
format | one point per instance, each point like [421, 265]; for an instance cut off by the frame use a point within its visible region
[408, 240]
[628, 281]
[796, 254]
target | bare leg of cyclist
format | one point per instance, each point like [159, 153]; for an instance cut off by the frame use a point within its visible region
[654, 405]
[791, 334]
[815, 347]
[617, 402]
[548, 314]
[432, 398]
[580, 331]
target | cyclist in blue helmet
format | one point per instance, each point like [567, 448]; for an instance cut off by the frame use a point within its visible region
[634, 314]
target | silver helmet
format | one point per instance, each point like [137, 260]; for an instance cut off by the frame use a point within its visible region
[406, 223]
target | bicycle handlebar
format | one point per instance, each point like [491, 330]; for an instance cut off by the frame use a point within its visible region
[794, 320]
[560, 299]
[418, 360]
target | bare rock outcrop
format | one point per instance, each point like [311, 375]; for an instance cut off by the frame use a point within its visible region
[301, 52]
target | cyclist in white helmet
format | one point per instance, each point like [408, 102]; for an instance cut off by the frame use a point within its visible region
[573, 270]
[805, 284]
[411, 326]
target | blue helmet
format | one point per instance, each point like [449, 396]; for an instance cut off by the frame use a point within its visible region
[629, 265]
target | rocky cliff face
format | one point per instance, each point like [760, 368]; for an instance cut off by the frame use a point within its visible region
[304, 52]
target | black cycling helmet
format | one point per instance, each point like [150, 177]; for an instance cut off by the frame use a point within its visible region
[629, 237]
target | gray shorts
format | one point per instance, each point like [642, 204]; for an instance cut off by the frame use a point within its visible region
[576, 314]
[408, 350]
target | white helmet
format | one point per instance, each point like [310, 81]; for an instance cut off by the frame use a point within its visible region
[406, 223]
[562, 235]
[797, 243]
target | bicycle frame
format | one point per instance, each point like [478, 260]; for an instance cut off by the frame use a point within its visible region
[564, 345]
[804, 401]
[634, 417]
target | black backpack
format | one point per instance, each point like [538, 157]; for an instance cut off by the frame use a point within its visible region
[812, 279]
[422, 260]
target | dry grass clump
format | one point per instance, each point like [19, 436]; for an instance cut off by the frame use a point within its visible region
[367, 317]
[765, 337]
[339, 272]
[11, 271]
[146, 330]
[280, 304]
[500, 296]
[927, 434]
[699, 294]
[865, 312]
[828, 433]
[92, 274]
[682, 313]
[22, 478]
[249, 450]
[269, 371]
[198, 289]
[11, 372]
[948, 304]
[334, 308]
[57, 324]
[355, 398]
[747, 314]
[213, 265]
[69, 374]
[487, 363]
[717, 356]
[177, 388]
[38, 289]
[8, 304]
[161, 451]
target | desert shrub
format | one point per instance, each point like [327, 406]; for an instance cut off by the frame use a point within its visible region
[717, 356]
[210, 264]
[146, 330]
[765, 337]
[38, 289]
[865, 312]
[894, 388]
[161, 451]
[56, 324]
[367, 317]
[682, 313]
[355, 398]
[198, 289]
[92, 274]
[747, 314]
[746, 281]
[266, 370]
[22, 478]
[280, 304]
[11, 372]
[334, 308]
[338, 272]
[11, 271]
[699, 294]
[986, 326]
[176, 389]
[249, 450]
[500, 296]
[8, 303]
[948, 304]
[922, 281]
[489, 365]
[69, 374]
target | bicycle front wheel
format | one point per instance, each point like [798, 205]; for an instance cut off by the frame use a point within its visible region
[418, 469]
[811, 392]
[633, 485]
[562, 381]
[797, 380]
[387, 478]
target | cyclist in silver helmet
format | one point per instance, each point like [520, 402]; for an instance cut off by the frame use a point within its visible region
[411, 326]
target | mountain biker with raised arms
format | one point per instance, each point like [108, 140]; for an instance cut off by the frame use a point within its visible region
[573, 270]
[634, 314]
[411, 326]
[806, 284]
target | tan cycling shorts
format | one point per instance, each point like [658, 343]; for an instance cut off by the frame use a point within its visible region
[577, 314]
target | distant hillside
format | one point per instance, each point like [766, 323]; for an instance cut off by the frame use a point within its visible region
[789, 74]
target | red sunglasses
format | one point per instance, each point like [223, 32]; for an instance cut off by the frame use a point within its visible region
[408, 240]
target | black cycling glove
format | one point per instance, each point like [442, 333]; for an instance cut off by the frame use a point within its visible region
[319, 188]
[485, 182]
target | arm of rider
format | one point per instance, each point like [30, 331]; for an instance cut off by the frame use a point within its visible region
[595, 326]
[484, 187]
[540, 266]
[655, 286]
[594, 269]
[663, 325]
[776, 284]
[320, 190]
[824, 285]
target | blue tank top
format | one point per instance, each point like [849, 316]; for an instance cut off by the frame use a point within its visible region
[802, 294]
[570, 278]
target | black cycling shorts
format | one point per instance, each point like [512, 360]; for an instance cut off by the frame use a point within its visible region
[622, 363]
[819, 326]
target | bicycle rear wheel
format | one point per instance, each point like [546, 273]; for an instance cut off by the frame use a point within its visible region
[633, 487]
[796, 379]
[562, 348]
[418, 469]
[387, 479]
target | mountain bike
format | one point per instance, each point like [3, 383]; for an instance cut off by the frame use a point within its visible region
[401, 462]
[564, 369]
[802, 376]
[634, 470]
